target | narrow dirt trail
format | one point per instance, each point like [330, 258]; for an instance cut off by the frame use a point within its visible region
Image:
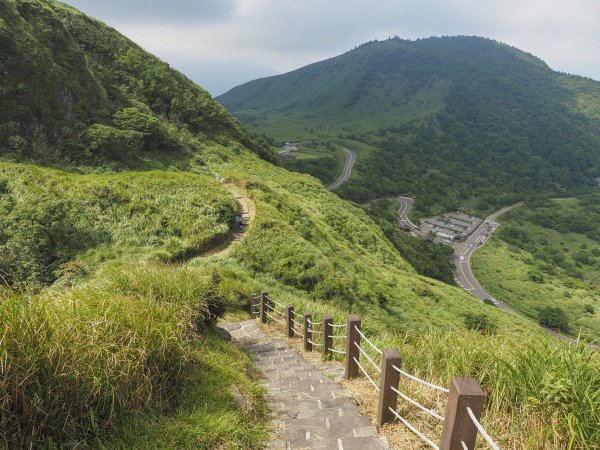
[244, 206]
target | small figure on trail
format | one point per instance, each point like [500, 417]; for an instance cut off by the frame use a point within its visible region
[238, 221]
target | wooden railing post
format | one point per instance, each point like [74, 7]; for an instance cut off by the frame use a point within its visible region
[458, 426]
[289, 319]
[327, 332]
[307, 335]
[263, 307]
[389, 378]
[253, 306]
[353, 339]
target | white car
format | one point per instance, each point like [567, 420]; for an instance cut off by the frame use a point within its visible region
[462, 258]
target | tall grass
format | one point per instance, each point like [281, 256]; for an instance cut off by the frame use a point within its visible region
[535, 387]
[74, 364]
[54, 223]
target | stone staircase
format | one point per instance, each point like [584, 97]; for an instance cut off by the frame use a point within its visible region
[311, 411]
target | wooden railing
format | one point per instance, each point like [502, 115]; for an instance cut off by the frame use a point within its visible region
[465, 398]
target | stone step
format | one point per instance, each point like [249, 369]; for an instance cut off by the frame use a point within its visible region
[309, 409]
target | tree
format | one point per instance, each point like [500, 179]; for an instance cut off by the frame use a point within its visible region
[554, 318]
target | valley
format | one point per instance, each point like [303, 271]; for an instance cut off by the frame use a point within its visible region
[439, 121]
[137, 214]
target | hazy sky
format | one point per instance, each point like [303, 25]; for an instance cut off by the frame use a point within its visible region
[223, 43]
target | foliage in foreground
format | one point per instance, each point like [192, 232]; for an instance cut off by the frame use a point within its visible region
[77, 364]
[541, 393]
[305, 243]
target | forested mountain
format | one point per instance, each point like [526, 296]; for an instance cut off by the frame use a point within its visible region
[112, 278]
[453, 121]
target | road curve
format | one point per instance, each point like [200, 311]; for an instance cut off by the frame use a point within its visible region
[406, 204]
[462, 258]
[463, 273]
[347, 172]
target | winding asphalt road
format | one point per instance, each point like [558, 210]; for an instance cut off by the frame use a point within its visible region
[463, 272]
[462, 258]
[406, 204]
[347, 172]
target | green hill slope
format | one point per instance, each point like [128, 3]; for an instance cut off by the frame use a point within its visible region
[75, 91]
[453, 121]
[108, 298]
[546, 255]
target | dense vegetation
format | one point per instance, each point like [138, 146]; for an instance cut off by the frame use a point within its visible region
[54, 224]
[428, 258]
[322, 161]
[80, 362]
[452, 121]
[545, 262]
[124, 355]
[75, 92]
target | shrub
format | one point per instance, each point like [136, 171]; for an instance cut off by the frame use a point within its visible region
[112, 143]
[197, 290]
[554, 318]
[589, 309]
[536, 276]
[480, 322]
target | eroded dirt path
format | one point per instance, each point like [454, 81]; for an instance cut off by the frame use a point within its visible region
[244, 206]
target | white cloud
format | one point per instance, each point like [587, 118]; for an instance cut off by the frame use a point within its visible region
[181, 12]
[280, 35]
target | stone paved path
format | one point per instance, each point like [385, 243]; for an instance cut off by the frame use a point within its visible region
[311, 411]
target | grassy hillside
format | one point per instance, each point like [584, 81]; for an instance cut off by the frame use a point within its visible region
[308, 247]
[547, 255]
[60, 225]
[109, 302]
[76, 92]
[453, 121]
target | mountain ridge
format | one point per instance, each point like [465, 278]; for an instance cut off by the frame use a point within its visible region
[458, 110]
[69, 78]
[107, 313]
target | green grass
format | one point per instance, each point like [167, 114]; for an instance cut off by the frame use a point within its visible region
[224, 406]
[540, 392]
[308, 247]
[548, 268]
[129, 352]
[54, 223]
[74, 364]
[105, 331]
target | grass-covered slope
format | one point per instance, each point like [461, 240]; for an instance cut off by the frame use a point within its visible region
[76, 91]
[106, 318]
[128, 361]
[547, 255]
[453, 121]
[56, 224]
